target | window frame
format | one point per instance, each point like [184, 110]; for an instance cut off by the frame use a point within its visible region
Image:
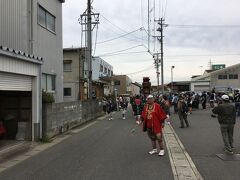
[68, 89]
[67, 62]
[47, 14]
[46, 83]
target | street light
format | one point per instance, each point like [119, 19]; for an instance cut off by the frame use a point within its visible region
[172, 78]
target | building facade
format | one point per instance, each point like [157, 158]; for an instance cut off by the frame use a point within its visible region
[122, 84]
[30, 29]
[20, 94]
[101, 69]
[35, 27]
[75, 79]
[75, 70]
[223, 79]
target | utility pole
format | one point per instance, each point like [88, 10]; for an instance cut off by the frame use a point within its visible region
[87, 24]
[157, 64]
[89, 48]
[160, 39]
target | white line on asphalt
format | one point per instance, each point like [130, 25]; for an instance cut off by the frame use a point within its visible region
[182, 164]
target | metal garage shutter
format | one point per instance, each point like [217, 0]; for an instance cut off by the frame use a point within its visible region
[15, 82]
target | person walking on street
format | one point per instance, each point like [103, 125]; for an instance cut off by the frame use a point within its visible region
[165, 104]
[183, 111]
[237, 102]
[109, 106]
[226, 114]
[175, 102]
[137, 109]
[204, 100]
[154, 116]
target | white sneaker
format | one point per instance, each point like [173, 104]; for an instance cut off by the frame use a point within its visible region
[124, 118]
[168, 123]
[161, 153]
[154, 151]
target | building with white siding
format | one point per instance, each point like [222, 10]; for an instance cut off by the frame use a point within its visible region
[20, 94]
[35, 27]
[29, 29]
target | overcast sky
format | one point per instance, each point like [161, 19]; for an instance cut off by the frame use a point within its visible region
[197, 32]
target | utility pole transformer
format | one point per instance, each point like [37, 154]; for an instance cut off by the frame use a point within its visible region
[87, 24]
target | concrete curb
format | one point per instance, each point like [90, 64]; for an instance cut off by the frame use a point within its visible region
[182, 165]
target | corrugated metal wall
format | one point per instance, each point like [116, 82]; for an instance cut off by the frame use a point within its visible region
[13, 24]
[17, 66]
[15, 82]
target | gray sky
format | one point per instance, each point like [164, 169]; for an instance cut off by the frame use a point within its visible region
[215, 35]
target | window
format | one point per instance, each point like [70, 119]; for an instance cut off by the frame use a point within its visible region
[101, 68]
[108, 72]
[111, 73]
[48, 82]
[67, 92]
[67, 66]
[222, 76]
[105, 70]
[46, 19]
[233, 76]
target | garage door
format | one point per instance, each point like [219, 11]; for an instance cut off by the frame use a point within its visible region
[15, 82]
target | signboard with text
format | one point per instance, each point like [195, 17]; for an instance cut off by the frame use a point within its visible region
[218, 66]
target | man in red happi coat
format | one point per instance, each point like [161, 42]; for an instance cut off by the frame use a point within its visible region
[154, 117]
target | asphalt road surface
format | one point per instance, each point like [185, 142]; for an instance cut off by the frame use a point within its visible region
[203, 141]
[107, 150]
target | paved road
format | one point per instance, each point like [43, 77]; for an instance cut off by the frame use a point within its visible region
[203, 140]
[108, 150]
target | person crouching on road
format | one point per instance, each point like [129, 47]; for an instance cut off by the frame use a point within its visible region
[154, 116]
[227, 118]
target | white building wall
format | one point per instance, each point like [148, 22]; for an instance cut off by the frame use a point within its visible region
[96, 63]
[20, 30]
[14, 24]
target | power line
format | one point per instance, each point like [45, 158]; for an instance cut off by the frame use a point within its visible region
[119, 36]
[118, 27]
[95, 45]
[143, 70]
[202, 26]
[165, 9]
[129, 39]
[122, 50]
[127, 53]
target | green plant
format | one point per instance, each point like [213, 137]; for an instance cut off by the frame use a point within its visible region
[46, 139]
[47, 97]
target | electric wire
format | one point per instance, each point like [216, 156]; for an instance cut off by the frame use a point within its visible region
[123, 35]
[122, 50]
[202, 26]
[127, 53]
[143, 70]
[116, 26]
[165, 9]
[96, 37]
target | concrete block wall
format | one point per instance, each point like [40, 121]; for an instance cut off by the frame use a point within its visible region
[60, 117]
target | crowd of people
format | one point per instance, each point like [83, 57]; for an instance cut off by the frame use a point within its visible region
[153, 111]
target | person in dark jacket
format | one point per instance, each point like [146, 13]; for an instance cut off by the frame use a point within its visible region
[226, 113]
[183, 111]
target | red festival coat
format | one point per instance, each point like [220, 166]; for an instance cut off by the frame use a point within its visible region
[154, 117]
